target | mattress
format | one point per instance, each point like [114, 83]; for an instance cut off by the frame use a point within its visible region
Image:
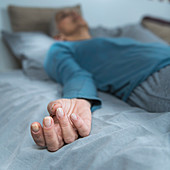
[122, 137]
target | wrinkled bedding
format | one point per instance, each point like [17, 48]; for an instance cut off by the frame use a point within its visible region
[122, 137]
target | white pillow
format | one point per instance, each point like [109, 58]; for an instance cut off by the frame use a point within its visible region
[30, 48]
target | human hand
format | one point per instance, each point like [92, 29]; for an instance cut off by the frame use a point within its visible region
[58, 129]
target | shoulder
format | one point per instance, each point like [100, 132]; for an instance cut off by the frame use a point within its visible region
[59, 47]
[60, 44]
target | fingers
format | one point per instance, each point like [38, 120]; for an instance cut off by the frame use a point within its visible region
[47, 135]
[69, 134]
[37, 134]
[51, 137]
[81, 126]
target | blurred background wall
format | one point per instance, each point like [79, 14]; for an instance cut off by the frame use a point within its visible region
[109, 13]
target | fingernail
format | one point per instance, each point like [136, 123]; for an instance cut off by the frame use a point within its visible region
[47, 121]
[73, 116]
[60, 112]
[52, 107]
[35, 127]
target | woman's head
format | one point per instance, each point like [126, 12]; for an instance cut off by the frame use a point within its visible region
[69, 23]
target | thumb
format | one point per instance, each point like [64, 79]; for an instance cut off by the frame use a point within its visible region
[52, 106]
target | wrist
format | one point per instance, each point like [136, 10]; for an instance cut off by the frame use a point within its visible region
[86, 102]
[90, 103]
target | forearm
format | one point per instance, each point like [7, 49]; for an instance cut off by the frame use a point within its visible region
[77, 82]
[82, 86]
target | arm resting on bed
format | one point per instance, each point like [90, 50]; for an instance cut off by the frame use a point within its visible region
[77, 82]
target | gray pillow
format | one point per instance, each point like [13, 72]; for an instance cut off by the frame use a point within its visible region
[30, 48]
[138, 32]
[134, 31]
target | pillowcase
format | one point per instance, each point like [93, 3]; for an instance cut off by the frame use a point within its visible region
[158, 26]
[33, 19]
[30, 48]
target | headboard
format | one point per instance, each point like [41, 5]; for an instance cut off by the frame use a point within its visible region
[34, 19]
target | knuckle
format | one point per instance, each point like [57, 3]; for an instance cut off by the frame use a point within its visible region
[40, 143]
[76, 136]
[38, 136]
[38, 140]
[69, 140]
[48, 135]
[61, 144]
[80, 125]
[52, 145]
[64, 124]
[86, 133]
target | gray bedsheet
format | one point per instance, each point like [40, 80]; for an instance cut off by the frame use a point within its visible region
[122, 137]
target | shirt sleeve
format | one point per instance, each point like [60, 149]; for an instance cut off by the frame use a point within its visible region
[77, 82]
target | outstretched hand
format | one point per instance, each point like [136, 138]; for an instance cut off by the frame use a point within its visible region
[68, 119]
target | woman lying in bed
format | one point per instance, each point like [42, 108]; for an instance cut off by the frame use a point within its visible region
[135, 72]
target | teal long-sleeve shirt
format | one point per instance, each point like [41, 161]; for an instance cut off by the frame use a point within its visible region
[114, 65]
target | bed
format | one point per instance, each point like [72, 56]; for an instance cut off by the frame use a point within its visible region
[122, 137]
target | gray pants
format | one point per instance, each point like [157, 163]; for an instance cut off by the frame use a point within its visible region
[153, 94]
